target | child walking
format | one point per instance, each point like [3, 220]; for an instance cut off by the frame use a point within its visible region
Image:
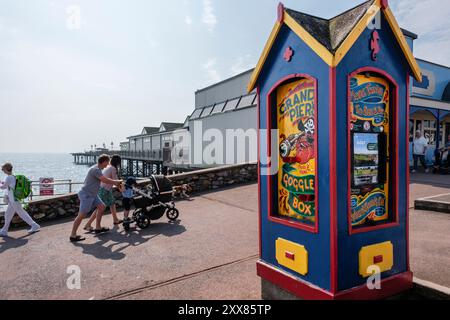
[127, 196]
[14, 206]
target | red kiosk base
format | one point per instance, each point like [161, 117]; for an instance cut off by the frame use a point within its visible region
[284, 286]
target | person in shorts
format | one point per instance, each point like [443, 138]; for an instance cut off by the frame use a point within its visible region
[89, 200]
[106, 192]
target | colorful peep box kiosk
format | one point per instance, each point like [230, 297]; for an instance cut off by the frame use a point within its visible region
[333, 173]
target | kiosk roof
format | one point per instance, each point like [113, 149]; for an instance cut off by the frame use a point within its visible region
[333, 38]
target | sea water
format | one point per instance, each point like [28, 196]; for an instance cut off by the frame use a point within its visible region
[36, 166]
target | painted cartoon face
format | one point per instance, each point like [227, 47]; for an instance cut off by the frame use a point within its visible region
[309, 126]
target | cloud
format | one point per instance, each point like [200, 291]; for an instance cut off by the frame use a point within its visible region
[212, 73]
[7, 28]
[243, 63]
[208, 16]
[188, 20]
[429, 19]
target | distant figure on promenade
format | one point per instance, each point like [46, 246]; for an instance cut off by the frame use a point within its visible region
[89, 199]
[420, 145]
[14, 206]
[106, 192]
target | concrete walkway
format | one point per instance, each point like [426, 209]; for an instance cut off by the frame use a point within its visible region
[217, 233]
[209, 254]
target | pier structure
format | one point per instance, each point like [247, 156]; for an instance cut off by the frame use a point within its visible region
[134, 163]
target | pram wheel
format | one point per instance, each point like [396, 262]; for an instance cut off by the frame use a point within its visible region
[172, 214]
[142, 220]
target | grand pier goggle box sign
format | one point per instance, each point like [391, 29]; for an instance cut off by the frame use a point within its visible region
[296, 122]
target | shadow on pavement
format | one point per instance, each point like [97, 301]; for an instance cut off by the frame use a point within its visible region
[111, 245]
[12, 243]
[435, 180]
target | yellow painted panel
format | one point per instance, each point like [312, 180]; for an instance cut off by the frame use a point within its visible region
[369, 205]
[380, 255]
[292, 256]
[297, 139]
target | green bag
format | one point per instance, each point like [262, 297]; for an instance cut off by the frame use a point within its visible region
[23, 188]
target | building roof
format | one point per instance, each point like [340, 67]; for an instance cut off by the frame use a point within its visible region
[433, 63]
[332, 39]
[225, 80]
[170, 126]
[331, 33]
[150, 130]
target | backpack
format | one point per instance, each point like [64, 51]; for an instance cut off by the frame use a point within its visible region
[23, 188]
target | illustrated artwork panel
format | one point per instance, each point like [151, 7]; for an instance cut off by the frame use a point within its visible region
[296, 120]
[369, 126]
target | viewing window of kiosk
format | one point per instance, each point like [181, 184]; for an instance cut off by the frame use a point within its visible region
[371, 165]
[295, 199]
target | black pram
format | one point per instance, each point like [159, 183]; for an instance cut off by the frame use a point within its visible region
[152, 202]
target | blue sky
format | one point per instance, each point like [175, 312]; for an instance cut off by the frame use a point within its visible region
[137, 63]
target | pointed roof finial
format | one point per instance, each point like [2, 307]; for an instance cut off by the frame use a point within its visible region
[384, 4]
[280, 12]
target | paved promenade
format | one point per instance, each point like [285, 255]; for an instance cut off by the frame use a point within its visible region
[209, 254]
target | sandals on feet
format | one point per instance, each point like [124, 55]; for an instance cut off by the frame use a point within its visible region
[118, 222]
[88, 230]
[102, 230]
[77, 239]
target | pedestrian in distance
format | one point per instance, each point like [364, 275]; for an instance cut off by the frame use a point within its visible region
[420, 145]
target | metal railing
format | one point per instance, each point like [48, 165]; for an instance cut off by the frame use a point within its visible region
[142, 154]
[35, 195]
[35, 185]
[152, 155]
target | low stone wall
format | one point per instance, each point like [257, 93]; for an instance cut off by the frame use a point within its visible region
[215, 178]
[201, 180]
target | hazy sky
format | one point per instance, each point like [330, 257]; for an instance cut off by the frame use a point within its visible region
[135, 63]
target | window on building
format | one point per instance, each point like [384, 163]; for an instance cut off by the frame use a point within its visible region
[429, 131]
[196, 114]
[427, 127]
[207, 111]
[218, 108]
[247, 101]
[231, 105]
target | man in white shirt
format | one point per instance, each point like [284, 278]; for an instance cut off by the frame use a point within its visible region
[420, 145]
